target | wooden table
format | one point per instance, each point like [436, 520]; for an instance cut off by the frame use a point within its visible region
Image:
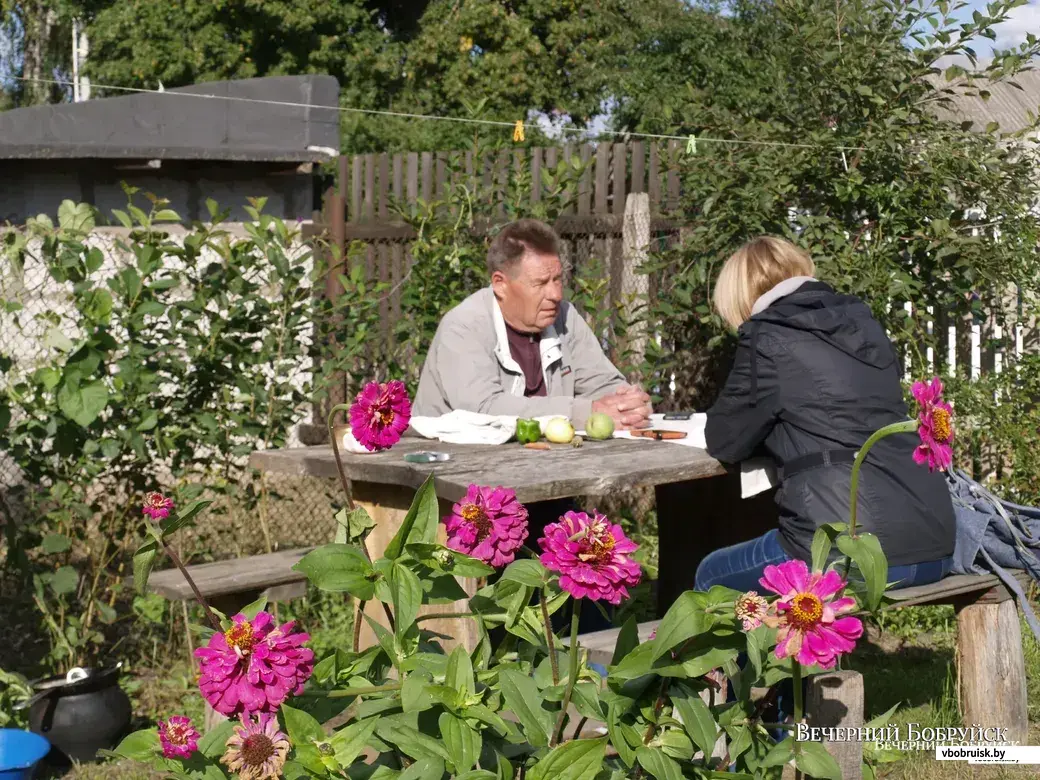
[695, 514]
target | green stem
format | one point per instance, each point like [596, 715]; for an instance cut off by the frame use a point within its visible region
[445, 616]
[796, 678]
[572, 675]
[907, 426]
[543, 603]
[345, 692]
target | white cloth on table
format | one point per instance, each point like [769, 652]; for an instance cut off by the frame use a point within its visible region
[462, 427]
[756, 475]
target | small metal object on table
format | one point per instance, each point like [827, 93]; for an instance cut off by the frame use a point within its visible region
[697, 498]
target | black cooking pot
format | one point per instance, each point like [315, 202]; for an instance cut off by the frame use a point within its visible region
[81, 713]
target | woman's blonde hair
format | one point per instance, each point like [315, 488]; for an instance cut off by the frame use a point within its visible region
[753, 270]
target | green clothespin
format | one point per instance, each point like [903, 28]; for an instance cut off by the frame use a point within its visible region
[691, 145]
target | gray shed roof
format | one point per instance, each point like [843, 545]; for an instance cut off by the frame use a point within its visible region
[181, 124]
[1007, 105]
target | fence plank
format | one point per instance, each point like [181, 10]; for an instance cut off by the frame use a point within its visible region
[536, 175]
[426, 182]
[602, 178]
[655, 177]
[383, 249]
[441, 191]
[356, 178]
[673, 176]
[343, 176]
[396, 248]
[620, 174]
[638, 167]
[585, 182]
[369, 211]
[501, 181]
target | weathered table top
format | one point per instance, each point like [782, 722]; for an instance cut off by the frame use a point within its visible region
[596, 468]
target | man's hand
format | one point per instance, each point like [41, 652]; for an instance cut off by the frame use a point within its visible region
[628, 406]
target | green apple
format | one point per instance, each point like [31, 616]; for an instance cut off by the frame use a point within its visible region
[599, 426]
[559, 430]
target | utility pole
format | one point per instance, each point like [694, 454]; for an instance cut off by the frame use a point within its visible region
[80, 49]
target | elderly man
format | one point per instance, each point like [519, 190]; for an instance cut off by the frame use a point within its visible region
[518, 348]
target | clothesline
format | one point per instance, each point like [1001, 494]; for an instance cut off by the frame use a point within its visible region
[691, 141]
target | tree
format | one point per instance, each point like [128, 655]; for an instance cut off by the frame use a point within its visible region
[817, 121]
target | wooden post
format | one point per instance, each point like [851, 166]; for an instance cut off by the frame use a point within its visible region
[387, 505]
[991, 668]
[835, 700]
[635, 239]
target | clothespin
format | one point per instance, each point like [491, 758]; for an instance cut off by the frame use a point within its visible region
[691, 145]
[518, 131]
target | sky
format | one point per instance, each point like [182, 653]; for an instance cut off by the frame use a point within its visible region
[1013, 32]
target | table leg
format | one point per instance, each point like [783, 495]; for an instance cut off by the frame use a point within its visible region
[699, 516]
[387, 505]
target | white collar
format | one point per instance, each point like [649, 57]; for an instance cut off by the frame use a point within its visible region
[786, 287]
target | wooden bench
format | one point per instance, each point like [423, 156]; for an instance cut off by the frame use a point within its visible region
[231, 585]
[990, 657]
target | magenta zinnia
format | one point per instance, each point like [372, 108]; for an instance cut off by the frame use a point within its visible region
[489, 524]
[254, 666]
[157, 506]
[380, 415]
[807, 614]
[935, 426]
[750, 610]
[257, 750]
[592, 556]
[178, 737]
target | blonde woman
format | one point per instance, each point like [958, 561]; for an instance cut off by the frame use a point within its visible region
[814, 376]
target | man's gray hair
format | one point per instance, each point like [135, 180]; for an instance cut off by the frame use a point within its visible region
[516, 238]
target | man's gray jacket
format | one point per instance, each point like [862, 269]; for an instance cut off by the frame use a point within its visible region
[469, 366]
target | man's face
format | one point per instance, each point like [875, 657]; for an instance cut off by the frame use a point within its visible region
[530, 293]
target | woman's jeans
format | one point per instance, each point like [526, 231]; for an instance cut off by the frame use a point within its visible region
[740, 566]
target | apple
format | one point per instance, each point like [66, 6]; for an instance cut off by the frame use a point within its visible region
[599, 426]
[559, 430]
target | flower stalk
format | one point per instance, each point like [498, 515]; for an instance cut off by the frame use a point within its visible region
[907, 426]
[571, 677]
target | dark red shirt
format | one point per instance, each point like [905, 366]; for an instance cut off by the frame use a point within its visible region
[527, 352]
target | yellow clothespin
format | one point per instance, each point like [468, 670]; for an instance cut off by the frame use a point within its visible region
[691, 145]
[518, 131]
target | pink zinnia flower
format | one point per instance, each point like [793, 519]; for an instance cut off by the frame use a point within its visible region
[257, 750]
[935, 426]
[489, 524]
[253, 666]
[750, 610]
[178, 737]
[808, 615]
[380, 414]
[157, 506]
[592, 556]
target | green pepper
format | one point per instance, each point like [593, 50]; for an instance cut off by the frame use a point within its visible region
[528, 431]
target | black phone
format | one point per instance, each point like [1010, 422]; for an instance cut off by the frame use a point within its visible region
[678, 415]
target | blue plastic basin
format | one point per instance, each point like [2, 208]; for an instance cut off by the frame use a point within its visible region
[20, 751]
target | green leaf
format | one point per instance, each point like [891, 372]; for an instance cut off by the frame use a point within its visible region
[139, 746]
[48, 377]
[339, 568]
[697, 720]
[77, 217]
[55, 338]
[302, 727]
[658, 764]
[123, 218]
[627, 641]
[579, 759]
[476, 774]
[144, 560]
[254, 609]
[459, 674]
[214, 741]
[407, 595]
[462, 742]
[780, 754]
[429, 768]
[440, 558]
[822, 542]
[184, 517]
[882, 719]
[865, 551]
[150, 420]
[55, 543]
[349, 741]
[412, 742]
[420, 524]
[526, 572]
[687, 618]
[813, 759]
[524, 700]
[64, 580]
[167, 215]
[83, 405]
